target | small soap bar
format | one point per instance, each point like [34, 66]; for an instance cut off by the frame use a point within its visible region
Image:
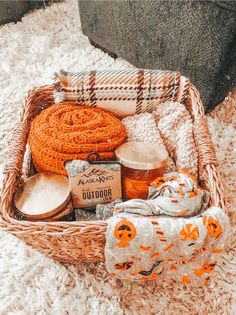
[93, 183]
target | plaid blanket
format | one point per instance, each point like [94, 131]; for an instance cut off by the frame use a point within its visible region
[123, 92]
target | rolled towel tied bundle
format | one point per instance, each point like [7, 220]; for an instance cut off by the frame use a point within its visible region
[176, 194]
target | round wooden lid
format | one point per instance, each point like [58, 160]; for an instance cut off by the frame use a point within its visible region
[42, 195]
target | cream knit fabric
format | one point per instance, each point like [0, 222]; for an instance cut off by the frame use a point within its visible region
[176, 129]
[142, 127]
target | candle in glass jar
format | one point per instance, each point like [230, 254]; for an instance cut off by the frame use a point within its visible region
[141, 163]
[44, 197]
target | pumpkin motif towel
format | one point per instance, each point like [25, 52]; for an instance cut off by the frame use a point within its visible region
[186, 249]
[175, 194]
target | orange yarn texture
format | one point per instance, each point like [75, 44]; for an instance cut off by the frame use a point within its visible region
[69, 131]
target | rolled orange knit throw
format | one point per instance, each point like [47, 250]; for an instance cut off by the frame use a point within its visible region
[68, 131]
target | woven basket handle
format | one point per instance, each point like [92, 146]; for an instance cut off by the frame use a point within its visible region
[31, 105]
[206, 151]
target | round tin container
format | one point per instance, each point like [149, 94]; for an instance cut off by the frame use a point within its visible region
[141, 163]
[44, 197]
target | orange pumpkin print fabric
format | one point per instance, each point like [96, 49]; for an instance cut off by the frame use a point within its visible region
[124, 232]
[213, 227]
[155, 247]
[206, 268]
[190, 231]
[175, 194]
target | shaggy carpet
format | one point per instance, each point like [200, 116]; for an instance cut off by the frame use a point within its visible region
[30, 52]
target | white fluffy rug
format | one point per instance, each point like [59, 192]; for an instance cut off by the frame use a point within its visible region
[30, 53]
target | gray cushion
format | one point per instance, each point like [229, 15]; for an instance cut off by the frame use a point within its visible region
[195, 37]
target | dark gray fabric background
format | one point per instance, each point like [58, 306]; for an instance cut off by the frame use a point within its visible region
[198, 38]
[13, 10]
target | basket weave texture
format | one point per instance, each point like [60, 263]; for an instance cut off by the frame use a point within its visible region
[71, 242]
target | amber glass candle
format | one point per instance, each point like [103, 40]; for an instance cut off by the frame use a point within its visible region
[141, 163]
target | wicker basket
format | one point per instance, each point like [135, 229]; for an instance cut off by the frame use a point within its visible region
[71, 242]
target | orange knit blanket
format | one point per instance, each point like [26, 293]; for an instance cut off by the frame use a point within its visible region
[68, 131]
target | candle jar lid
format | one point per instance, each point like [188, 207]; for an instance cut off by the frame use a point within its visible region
[42, 196]
[141, 155]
